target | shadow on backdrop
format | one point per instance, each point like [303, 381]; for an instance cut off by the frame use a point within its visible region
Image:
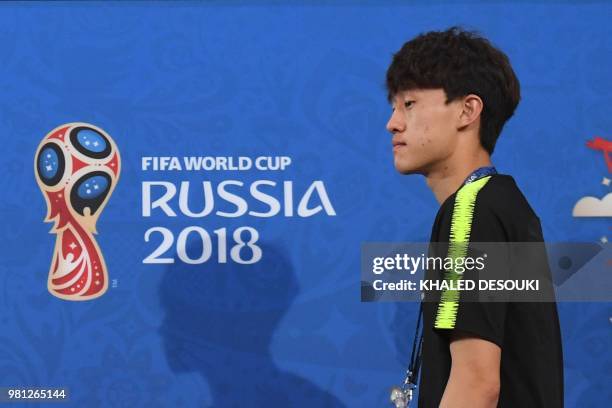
[219, 320]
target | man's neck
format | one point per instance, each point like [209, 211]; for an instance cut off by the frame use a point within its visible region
[449, 176]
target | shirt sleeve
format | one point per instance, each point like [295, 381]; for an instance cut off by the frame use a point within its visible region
[469, 313]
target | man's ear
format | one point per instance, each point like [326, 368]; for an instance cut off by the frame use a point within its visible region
[471, 108]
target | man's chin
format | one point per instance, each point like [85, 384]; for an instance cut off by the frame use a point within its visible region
[405, 169]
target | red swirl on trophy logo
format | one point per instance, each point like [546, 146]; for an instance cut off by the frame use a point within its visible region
[77, 167]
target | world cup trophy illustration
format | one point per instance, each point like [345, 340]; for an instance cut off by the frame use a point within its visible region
[77, 167]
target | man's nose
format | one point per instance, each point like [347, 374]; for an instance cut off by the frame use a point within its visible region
[395, 123]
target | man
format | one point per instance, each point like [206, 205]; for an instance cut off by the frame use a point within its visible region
[451, 93]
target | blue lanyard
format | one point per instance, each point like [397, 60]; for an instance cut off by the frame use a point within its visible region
[480, 173]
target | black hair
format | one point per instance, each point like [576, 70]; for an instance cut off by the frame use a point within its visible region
[460, 62]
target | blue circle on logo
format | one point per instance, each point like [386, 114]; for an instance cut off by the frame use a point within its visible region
[92, 187]
[48, 163]
[91, 140]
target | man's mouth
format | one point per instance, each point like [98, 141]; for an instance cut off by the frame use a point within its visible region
[397, 144]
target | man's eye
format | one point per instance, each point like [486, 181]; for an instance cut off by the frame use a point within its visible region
[408, 104]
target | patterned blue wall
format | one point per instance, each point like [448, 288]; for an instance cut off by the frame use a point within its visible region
[175, 79]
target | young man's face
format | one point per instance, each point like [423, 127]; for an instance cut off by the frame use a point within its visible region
[424, 129]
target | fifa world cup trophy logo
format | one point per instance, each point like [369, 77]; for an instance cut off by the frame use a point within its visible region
[77, 168]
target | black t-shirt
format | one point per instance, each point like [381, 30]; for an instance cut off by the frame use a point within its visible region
[528, 334]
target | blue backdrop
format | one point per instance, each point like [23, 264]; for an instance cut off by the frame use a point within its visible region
[306, 81]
